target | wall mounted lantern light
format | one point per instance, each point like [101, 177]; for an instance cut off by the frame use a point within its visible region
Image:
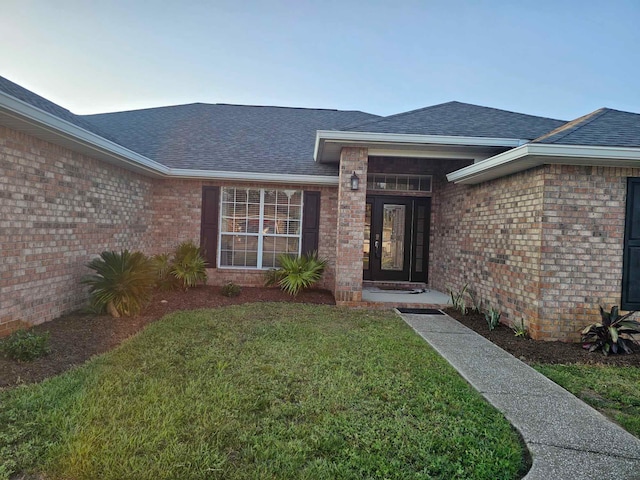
[355, 181]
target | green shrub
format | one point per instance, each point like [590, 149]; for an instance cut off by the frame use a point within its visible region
[122, 284]
[26, 345]
[162, 266]
[296, 273]
[520, 330]
[492, 316]
[613, 335]
[230, 290]
[457, 300]
[188, 265]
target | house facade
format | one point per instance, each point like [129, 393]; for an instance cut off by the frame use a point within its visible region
[539, 217]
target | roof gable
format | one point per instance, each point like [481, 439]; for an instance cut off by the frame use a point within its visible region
[461, 119]
[604, 127]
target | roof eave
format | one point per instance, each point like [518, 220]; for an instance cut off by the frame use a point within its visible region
[24, 117]
[376, 140]
[533, 155]
[34, 121]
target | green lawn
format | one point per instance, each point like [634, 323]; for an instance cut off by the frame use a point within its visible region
[260, 391]
[615, 391]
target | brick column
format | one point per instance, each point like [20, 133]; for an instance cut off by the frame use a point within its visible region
[350, 235]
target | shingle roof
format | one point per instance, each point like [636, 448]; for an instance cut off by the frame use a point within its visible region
[604, 127]
[227, 137]
[461, 119]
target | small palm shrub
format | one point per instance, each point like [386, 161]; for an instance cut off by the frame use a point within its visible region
[122, 283]
[614, 334]
[492, 316]
[296, 273]
[26, 345]
[188, 266]
[230, 290]
[162, 266]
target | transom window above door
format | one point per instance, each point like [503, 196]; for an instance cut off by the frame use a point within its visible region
[399, 183]
[258, 225]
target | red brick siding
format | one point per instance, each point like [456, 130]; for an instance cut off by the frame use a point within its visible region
[488, 236]
[350, 226]
[582, 246]
[59, 209]
[177, 213]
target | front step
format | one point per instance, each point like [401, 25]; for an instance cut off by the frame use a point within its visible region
[386, 285]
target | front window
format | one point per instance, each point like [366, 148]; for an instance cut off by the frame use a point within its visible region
[258, 225]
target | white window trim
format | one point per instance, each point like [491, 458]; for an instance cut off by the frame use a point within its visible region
[260, 229]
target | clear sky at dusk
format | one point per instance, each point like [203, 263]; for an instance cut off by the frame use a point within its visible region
[556, 58]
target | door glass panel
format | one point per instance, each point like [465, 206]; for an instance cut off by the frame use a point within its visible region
[393, 221]
[420, 238]
[367, 238]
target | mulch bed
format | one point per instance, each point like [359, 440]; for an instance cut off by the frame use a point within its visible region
[532, 351]
[76, 337]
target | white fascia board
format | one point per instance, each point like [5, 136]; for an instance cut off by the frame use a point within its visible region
[531, 155]
[254, 177]
[53, 124]
[45, 121]
[370, 138]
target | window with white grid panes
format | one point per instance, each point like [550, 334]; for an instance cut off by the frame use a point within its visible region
[399, 183]
[259, 225]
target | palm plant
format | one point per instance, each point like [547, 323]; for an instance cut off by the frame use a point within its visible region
[188, 265]
[296, 273]
[615, 334]
[122, 283]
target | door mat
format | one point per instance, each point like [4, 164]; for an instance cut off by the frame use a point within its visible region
[421, 311]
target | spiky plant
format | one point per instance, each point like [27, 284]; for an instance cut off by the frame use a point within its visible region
[122, 283]
[188, 265]
[615, 334]
[296, 273]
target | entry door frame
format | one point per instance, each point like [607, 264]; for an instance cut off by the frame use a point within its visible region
[413, 230]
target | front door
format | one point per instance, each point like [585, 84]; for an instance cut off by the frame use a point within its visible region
[396, 238]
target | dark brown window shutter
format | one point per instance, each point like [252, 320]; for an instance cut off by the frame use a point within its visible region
[310, 221]
[631, 256]
[209, 224]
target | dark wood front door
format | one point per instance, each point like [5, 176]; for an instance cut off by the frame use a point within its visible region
[396, 238]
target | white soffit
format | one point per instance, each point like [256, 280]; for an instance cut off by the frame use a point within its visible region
[535, 154]
[329, 143]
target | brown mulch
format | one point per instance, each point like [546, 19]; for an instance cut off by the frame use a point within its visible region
[533, 351]
[76, 337]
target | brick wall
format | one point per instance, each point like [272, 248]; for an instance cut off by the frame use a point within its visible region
[350, 226]
[544, 245]
[582, 246]
[488, 237]
[177, 212]
[58, 210]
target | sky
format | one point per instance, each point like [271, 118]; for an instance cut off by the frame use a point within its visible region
[559, 58]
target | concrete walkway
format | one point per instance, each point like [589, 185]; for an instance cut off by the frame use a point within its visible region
[567, 438]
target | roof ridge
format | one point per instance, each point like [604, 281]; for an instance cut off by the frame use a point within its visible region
[573, 125]
[394, 115]
[440, 105]
[204, 104]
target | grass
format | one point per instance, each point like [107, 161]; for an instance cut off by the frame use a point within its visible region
[260, 391]
[613, 390]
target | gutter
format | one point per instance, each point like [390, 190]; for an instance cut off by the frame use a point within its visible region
[114, 153]
[372, 139]
[536, 154]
